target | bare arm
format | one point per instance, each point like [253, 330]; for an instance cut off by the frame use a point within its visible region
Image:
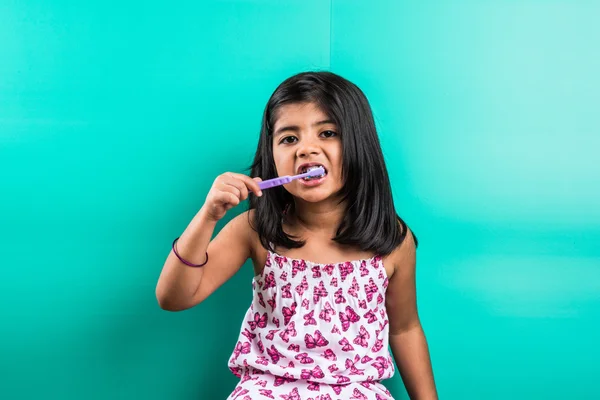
[407, 339]
[180, 286]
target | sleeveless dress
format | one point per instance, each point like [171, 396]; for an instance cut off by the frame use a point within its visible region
[314, 332]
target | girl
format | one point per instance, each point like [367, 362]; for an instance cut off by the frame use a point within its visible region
[334, 264]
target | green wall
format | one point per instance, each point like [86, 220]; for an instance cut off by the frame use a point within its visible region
[116, 117]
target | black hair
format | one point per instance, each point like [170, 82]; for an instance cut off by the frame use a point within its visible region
[370, 221]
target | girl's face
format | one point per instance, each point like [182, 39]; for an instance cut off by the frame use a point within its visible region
[303, 136]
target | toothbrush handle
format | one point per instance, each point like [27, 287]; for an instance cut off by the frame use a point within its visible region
[282, 180]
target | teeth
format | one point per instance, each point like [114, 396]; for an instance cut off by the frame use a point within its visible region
[313, 167]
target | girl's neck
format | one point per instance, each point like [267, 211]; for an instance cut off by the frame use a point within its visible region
[319, 219]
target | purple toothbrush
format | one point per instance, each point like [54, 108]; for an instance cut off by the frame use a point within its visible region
[282, 180]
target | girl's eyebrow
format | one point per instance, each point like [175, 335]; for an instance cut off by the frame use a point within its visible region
[295, 128]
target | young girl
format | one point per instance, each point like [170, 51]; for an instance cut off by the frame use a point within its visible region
[334, 264]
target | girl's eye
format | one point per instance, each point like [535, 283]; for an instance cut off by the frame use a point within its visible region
[328, 134]
[288, 140]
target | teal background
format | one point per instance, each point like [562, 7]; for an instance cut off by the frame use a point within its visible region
[116, 117]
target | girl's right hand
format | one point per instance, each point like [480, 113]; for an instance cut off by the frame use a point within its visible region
[227, 191]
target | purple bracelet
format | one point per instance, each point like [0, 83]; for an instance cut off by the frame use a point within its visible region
[185, 261]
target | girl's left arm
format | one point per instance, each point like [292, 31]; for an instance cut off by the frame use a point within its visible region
[407, 339]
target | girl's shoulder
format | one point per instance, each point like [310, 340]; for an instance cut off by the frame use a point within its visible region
[258, 253]
[404, 255]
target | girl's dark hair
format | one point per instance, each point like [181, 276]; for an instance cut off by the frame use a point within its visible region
[370, 221]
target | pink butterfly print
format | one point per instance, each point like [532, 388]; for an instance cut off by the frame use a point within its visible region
[379, 298]
[253, 285]
[319, 291]
[315, 386]
[246, 378]
[371, 289]
[334, 282]
[286, 378]
[261, 346]
[386, 283]
[272, 303]
[260, 284]
[266, 393]
[375, 261]
[316, 270]
[327, 312]
[332, 368]
[328, 269]
[269, 280]
[368, 382]
[293, 395]
[261, 382]
[382, 312]
[380, 276]
[362, 304]
[241, 348]
[370, 316]
[262, 360]
[290, 330]
[280, 260]
[365, 359]
[316, 372]
[315, 341]
[335, 329]
[351, 365]
[337, 389]
[329, 355]
[248, 334]
[288, 313]
[304, 358]
[294, 347]
[358, 395]
[363, 269]
[309, 318]
[324, 397]
[377, 346]
[286, 291]
[297, 266]
[238, 391]
[274, 354]
[276, 321]
[302, 286]
[346, 346]
[362, 337]
[348, 317]
[354, 288]
[341, 379]
[237, 371]
[382, 325]
[305, 303]
[381, 365]
[261, 300]
[378, 397]
[271, 334]
[283, 276]
[339, 296]
[259, 321]
[346, 269]
[291, 364]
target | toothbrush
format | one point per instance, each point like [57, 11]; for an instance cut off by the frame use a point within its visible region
[282, 180]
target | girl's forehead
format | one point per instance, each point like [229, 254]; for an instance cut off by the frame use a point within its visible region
[299, 113]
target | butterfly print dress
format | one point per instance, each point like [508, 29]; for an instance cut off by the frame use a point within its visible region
[314, 332]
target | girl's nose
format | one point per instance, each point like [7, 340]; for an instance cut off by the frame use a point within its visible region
[308, 148]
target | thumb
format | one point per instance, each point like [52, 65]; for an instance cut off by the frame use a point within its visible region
[257, 179]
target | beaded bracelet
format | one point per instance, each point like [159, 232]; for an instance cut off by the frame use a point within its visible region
[185, 261]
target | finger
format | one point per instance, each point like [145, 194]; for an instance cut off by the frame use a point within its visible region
[228, 199]
[251, 183]
[230, 188]
[240, 185]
